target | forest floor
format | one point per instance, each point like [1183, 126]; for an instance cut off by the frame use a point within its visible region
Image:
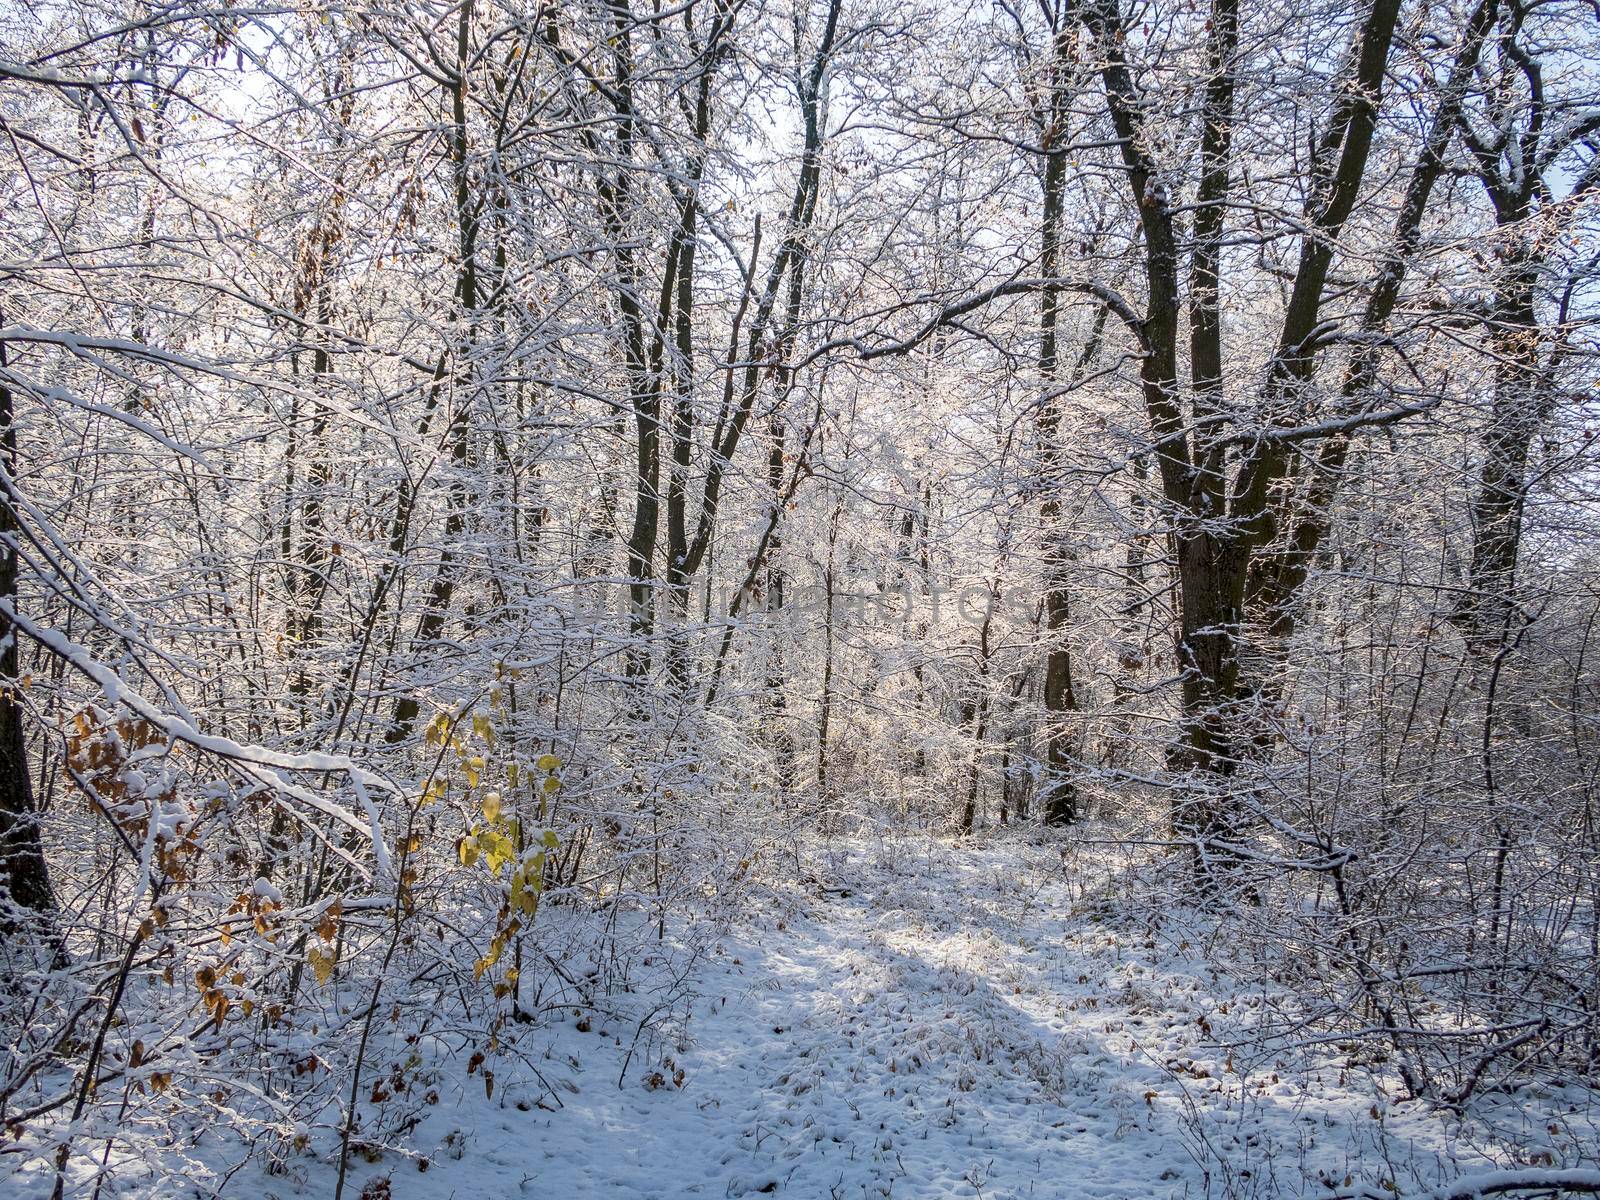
[927, 1020]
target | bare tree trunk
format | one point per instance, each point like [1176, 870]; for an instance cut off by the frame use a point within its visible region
[976, 717]
[1060, 800]
[1060, 792]
[687, 552]
[681, 268]
[825, 700]
[436, 606]
[24, 874]
[1519, 411]
[1131, 646]
[1277, 577]
[781, 736]
[1217, 526]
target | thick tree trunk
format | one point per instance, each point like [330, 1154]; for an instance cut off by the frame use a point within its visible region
[1060, 800]
[24, 874]
[1520, 409]
[1218, 525]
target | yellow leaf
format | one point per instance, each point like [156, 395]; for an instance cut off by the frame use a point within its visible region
[321, 963]
[497, 850]
[549, 762]
[491, 807]
[552, 784]
[496, 948]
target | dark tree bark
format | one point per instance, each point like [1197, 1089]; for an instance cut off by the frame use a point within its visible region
[24, 873]
[1521, 145]
[738, 404]
[1520, 409]
[975, 715]
[1220, 509]
[1060, 799]
[468, 211]
[1278, 575]
[682, 254]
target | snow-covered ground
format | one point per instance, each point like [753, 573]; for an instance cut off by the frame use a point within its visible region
[929, 1020]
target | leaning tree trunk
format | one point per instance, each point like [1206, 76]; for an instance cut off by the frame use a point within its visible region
[1277, 579]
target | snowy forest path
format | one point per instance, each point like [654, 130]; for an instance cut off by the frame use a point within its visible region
[937, 1022]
